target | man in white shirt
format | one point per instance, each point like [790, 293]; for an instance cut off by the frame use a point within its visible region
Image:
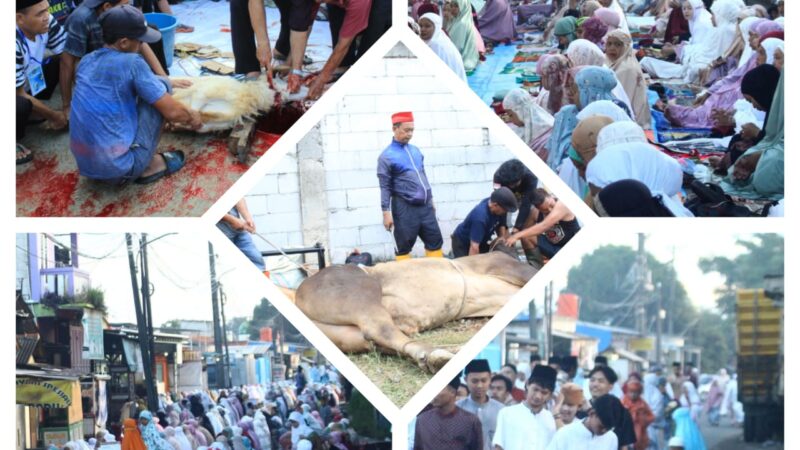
[528, 425]
[593, 432]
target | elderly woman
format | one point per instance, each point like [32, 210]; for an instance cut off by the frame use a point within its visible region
[582, 52]
[461, 30]
[430, 27]
[565, 31]
[620, 58]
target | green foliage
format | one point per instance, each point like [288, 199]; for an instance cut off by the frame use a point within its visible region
[94, 297]
[606, 287]
[266, 315]
[171, 326]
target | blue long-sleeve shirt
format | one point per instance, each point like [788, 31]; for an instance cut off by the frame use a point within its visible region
[401, 172]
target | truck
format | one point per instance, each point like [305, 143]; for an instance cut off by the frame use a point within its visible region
[760, 350]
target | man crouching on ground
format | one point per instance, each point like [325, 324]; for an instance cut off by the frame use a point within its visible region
[119, 107]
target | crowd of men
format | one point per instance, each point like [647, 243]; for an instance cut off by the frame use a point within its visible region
[560, 406]
[110, 68]
[313, 412]
[704, 69]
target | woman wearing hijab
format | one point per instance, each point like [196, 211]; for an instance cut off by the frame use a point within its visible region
[582, 52]
[594, 30]
[686, 430]
[593, 84]
[640, 413]
[496, 21]
[589, 7]
[430, 26]
[723, 94]
[299, 429]
[461, 30]
[532, 119]
[553, 71]
[151, 437]
[584, 142]
[759, 172]
[696, 54]
[620, 58]
[726, 16]
[609, 18]
[169, 436]
[131, 436]
[677, 30]
[565, 31]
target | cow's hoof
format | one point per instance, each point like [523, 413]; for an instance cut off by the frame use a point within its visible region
[437, 359]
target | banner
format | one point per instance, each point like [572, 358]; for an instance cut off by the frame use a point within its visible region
[93, 335]
[45, 393]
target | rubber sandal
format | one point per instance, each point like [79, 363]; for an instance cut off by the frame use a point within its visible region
[26, 159]
[183, 28]
[174, 161]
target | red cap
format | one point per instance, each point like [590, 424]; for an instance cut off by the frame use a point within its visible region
[401, 117]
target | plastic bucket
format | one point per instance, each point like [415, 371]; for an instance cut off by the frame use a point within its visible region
[167, 25]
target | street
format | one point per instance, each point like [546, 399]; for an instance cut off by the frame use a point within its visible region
[729, 437]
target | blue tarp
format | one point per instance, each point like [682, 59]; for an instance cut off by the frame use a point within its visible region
[603, 336]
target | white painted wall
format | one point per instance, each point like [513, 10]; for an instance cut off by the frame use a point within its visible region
[460, 159]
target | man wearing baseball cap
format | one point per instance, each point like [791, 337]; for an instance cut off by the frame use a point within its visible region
[488, 217]
[406, 196]
[85, 35]
[119, 106]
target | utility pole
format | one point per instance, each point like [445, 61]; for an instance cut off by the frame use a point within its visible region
[147, 304]
[641, 291]
[215, 307]
[227, 356]
[144, 344]
[659, 325]
[533, 332]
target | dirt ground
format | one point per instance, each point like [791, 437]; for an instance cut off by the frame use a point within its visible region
[400, 378]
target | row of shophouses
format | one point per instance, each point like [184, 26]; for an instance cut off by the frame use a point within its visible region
[75, 370]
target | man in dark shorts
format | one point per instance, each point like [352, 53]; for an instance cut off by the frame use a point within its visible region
[472, 236]
[406, 196]
[249, 38]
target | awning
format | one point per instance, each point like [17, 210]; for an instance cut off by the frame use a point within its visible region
[630, 356]
[46, 391]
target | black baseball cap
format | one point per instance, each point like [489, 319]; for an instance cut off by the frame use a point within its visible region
[505, 198]
[127, 21]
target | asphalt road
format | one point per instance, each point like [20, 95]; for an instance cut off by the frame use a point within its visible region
[729, 437]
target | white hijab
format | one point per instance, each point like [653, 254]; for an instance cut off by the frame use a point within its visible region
[726, 15]
[604, 108]
[637, 161]
[744, 30]
[620, 132]
[703, 46]
[770, 45]
[444, 47]
[536, 119]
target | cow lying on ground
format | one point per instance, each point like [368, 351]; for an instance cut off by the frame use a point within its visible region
[385, 304]
[224, 101]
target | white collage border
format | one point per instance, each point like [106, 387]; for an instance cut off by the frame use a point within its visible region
[593, 230]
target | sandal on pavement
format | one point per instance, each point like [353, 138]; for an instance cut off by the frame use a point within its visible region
[174, 161]
[21, 149]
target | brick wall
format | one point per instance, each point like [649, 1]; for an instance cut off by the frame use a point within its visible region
[460, 159]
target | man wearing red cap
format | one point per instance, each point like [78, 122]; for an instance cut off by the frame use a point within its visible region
[406, 197]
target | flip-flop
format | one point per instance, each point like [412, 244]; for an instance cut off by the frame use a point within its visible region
[174, 161]
[25, 159]
[183, 28]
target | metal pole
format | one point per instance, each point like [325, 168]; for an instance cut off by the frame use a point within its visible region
[152, 398]
[641, 323]
[215, 306]
[148, 305]
[228, 378]
[659, 324]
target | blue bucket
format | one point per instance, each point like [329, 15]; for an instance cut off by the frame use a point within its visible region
[167, 25]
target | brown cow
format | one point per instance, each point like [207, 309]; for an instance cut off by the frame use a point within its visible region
[385, 304]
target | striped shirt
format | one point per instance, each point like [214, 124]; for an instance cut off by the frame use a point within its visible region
[35, 51]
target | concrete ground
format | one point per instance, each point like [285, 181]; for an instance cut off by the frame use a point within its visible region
[50, 186]
[730, 437]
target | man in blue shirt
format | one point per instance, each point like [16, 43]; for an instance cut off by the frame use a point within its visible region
[406, 197]
[119, 106]
[472, 236]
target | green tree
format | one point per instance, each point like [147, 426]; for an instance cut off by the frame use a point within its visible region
[606, 286]
[266, 315]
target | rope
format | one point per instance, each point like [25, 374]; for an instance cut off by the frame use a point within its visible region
[464, 282]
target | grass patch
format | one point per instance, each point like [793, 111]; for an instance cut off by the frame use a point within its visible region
[400, 378]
